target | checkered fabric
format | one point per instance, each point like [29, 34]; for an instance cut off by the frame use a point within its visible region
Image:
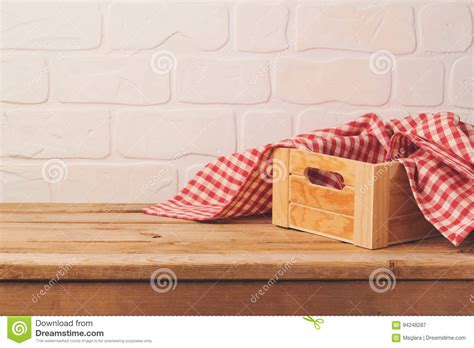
[435, 149]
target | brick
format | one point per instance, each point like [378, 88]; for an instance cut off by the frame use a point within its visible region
[25, 79]
[420, 82]
[57, 134]
[261, 27]
[118, 183]
[264, 127]
[173, 134]
[55, 25]
[445, 27]
[461, 83]
[114, 80]
[207, 80]
[3, 126]
[356, 27]
[391, 114]
[318, 118]
[89, 183]
[22, 183]
[313, 119]
[149, 24]
[346, 80]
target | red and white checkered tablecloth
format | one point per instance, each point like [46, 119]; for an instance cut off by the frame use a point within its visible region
[435, 149]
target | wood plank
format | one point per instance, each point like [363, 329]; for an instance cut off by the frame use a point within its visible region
[218, 246]
[364, 201]
[130, 238]
[233, 234]
[107, 218]
[325, 198]
[84, 232]
[243, 266]
[300, 160]
[323, 265]
[380, 208]
[238, 298]
[321, 222]
[73, 207]
[189, 242]
[280, 194]
[118, 218]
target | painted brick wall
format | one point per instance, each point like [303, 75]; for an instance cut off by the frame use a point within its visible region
[123, 101]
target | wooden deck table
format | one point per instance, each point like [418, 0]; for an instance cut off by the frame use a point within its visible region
[97, 259]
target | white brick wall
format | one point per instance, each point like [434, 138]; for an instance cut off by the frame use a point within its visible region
[348, 80]
[366, 28]
[110, 80]
[123, 101]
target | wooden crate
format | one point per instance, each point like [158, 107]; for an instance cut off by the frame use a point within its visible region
[375, 209]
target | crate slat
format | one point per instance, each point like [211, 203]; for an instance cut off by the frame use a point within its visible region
[280, 194]
[338, 201]
[321, 222]
[300, 160]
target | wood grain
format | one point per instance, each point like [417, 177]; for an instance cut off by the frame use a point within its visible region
[107, 257]
[321, 222]
[280, 194]
[133, 248]
[404, 228]
[371, 207]
[238, 298]
[401, 200]
[378, 198]
[300, 160]
[71, 208]
[305, 193]
[397, 173]
[116, 218]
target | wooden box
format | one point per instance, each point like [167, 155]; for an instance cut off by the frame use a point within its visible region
[375, 209]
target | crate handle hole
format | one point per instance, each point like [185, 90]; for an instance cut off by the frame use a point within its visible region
[325, 178]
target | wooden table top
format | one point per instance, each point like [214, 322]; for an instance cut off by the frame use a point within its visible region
[118, 242]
